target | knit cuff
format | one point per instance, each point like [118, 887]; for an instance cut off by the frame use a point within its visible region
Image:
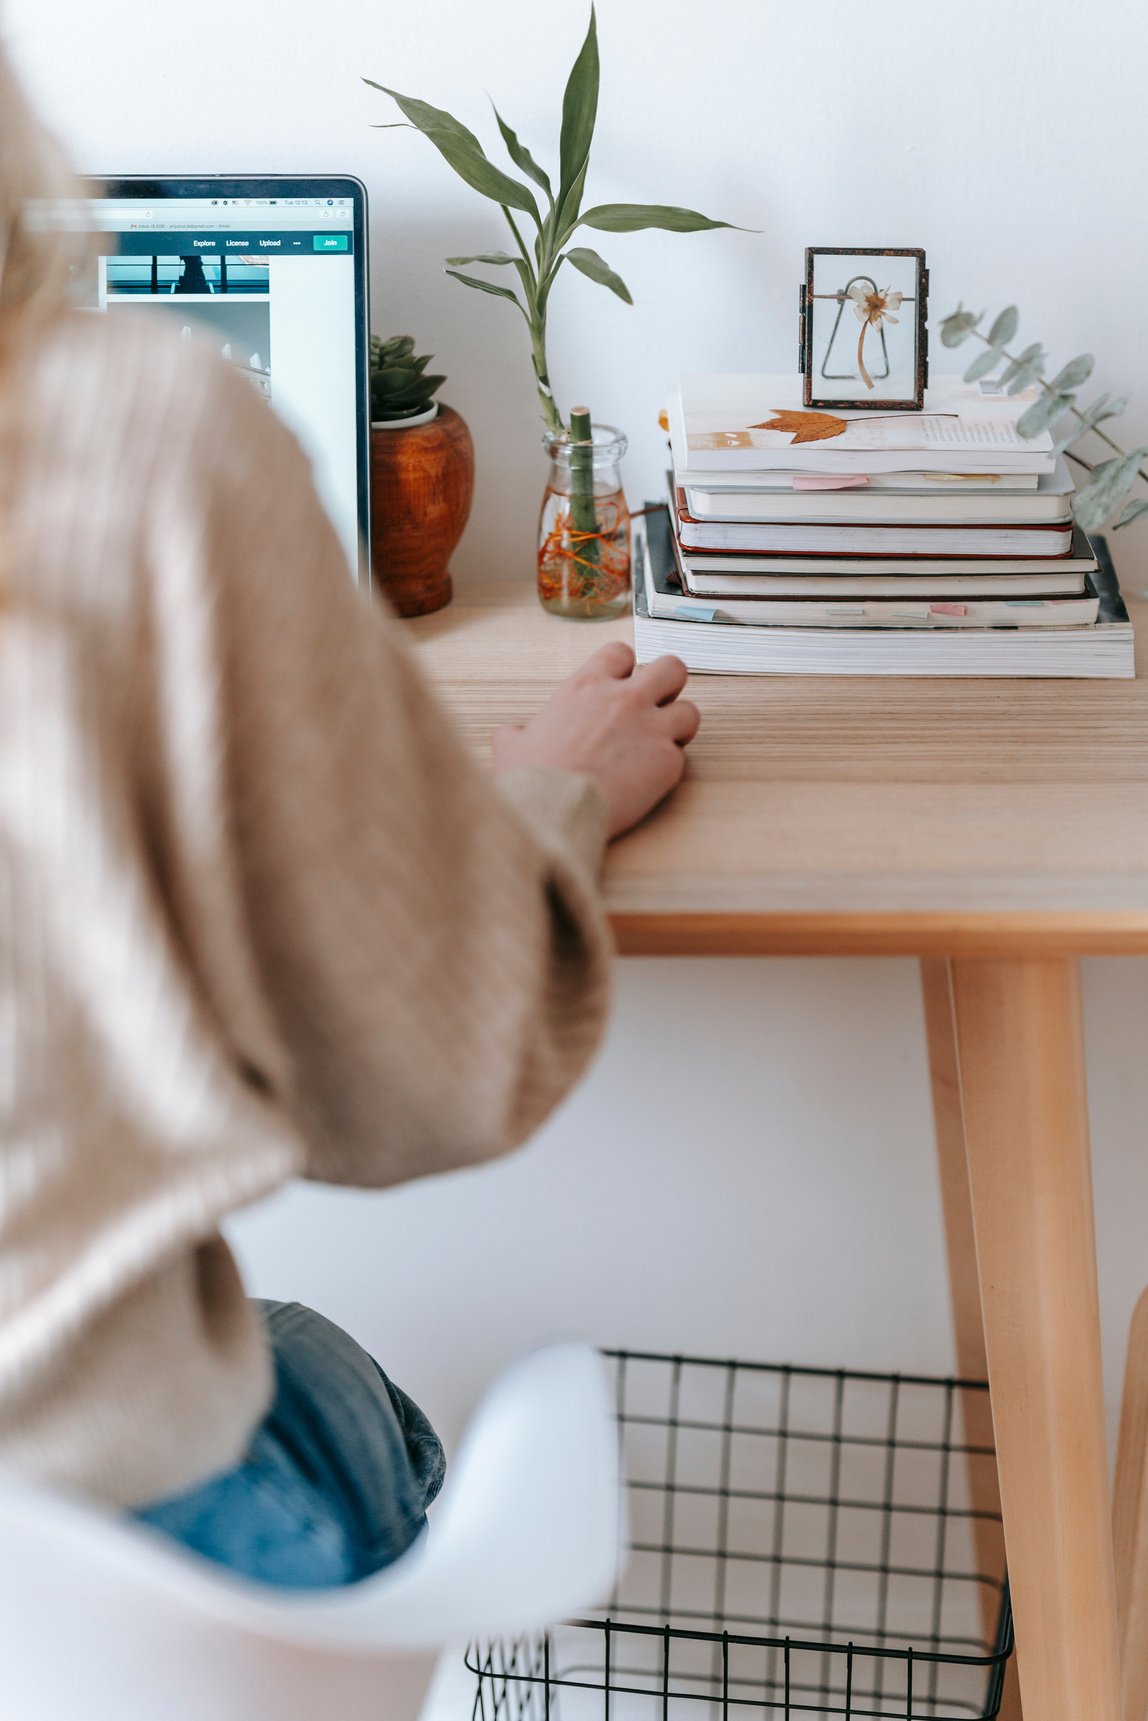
[563, 808]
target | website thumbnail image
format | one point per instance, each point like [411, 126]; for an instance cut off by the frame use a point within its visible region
[225, 295]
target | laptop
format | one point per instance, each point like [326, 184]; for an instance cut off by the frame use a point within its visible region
[274, 270]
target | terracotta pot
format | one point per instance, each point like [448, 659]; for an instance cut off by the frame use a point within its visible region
[422, 483]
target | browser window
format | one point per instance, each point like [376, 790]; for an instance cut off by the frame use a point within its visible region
[270, 283]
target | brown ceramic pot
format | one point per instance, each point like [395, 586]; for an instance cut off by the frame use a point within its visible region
[422, 483]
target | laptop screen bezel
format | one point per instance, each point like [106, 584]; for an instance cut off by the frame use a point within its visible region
[175, 186]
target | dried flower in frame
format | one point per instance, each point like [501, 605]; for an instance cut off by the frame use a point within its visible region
[874, 305]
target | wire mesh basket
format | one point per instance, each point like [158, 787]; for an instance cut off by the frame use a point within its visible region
[803, 1542]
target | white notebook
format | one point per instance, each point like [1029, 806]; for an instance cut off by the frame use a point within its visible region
[875, 501]
[846, 538]
[729, 565]
[717, 577]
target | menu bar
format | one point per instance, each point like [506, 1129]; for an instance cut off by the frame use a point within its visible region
[128, 213]
[254, 242]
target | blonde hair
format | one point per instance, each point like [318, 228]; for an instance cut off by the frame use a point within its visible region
[36, 254]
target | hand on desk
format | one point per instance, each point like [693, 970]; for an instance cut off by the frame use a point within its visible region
[625, 727]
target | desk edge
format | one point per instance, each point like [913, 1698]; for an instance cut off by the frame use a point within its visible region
[1052, 935]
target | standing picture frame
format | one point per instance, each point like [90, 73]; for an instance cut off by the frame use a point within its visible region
[864, 336]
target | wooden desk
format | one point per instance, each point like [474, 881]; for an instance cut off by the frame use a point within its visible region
[998, 830]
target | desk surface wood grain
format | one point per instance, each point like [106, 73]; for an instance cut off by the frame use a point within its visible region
[852, 816]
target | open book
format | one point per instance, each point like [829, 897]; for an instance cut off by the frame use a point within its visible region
[758, 424]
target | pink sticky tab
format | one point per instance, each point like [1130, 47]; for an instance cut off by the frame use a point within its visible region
[827, 481]
[949, 609]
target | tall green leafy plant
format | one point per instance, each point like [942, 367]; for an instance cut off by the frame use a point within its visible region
[549, 208]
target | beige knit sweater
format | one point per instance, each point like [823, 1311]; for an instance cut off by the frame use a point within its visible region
[261, 915]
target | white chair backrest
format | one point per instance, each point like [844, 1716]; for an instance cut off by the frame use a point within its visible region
[101, 1620]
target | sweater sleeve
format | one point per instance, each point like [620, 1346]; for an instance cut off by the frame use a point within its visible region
[428, 941]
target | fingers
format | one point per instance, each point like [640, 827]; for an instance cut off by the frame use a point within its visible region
[682, 720]
[613, 662]
[663, 679]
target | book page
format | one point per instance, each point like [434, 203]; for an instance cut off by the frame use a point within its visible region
[748, 412]
[906, 432]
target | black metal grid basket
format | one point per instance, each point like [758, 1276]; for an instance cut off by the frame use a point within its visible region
[803, 1542]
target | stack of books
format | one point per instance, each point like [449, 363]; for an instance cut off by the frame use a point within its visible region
[847, 543]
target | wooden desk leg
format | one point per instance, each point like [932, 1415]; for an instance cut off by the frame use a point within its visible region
[1021, 1053]
[965, 1297]
[1130, 1520]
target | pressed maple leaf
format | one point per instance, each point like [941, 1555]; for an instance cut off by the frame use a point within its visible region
[805, 426]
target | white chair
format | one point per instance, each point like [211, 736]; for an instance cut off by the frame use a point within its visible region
[102, 1620]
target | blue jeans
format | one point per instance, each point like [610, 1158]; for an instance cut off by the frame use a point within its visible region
[338, 1476]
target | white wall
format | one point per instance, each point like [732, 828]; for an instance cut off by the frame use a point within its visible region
[749, 1169]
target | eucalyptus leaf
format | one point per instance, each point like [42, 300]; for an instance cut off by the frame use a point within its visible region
[487, 287]
[589, 263]
[1113, 409]
[1132, 512]
[1042, 413]
[579, 115]
[483, 257]
[1025, 377]
[1082, 423]
[958, 326]
[1107, 487]
[521, 156]
[1074, 373]
[1005, 327]
[1030, 362]
[426, 118]
[634, 217]
[1100, 410]
[983, 364]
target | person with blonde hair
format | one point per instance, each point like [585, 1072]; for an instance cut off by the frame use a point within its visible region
[263, 917]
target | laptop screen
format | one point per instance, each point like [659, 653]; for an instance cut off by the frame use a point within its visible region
[273, 274]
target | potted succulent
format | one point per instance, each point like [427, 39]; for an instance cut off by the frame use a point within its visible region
[583, 554]
[422, 478]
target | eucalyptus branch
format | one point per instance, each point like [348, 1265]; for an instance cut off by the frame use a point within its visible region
[1104, 498]
[1070, 405]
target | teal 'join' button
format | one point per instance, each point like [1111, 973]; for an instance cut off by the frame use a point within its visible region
[330, 241]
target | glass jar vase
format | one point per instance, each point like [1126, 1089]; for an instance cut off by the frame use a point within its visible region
[584, 528]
